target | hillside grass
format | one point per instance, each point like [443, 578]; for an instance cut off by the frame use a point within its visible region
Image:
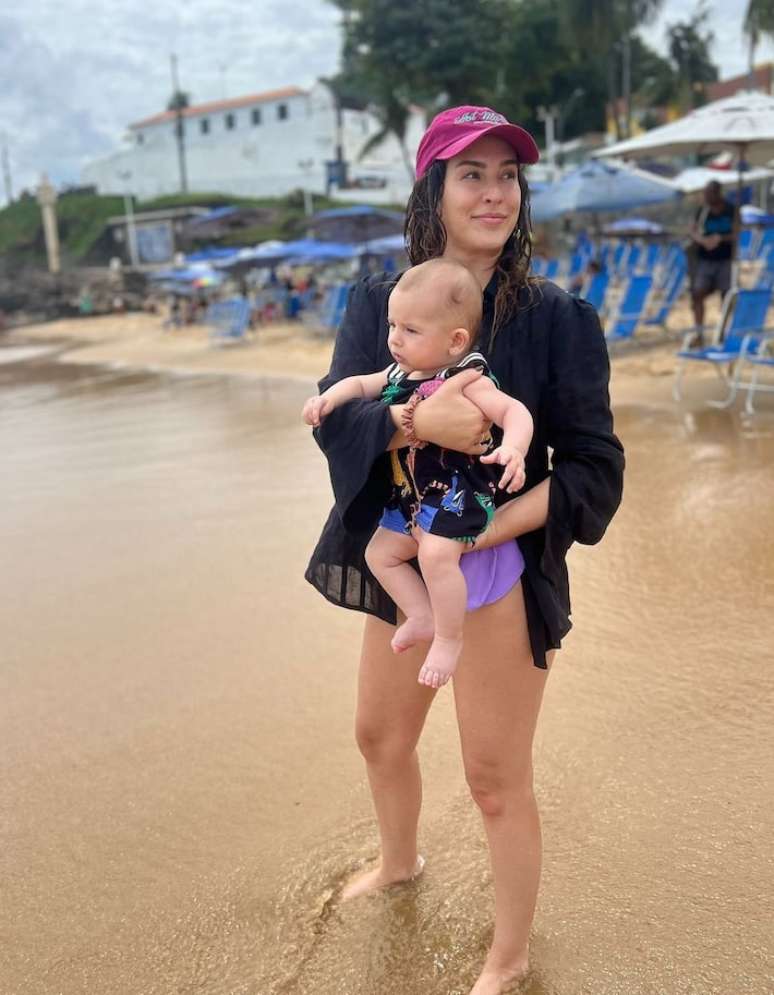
[82, 218]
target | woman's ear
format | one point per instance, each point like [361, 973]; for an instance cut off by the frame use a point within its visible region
[459, 342]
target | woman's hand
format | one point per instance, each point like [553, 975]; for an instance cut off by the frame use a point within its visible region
[492, 536]
[452, 421]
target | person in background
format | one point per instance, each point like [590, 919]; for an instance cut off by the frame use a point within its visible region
[713, 235]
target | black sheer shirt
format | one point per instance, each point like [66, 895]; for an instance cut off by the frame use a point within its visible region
[552, 356]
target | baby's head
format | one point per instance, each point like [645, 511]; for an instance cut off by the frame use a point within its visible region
[434, 314]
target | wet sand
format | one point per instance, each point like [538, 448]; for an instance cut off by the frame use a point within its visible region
[181, 792]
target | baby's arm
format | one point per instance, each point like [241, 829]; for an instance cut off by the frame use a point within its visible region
[516, 422]
[367, 387]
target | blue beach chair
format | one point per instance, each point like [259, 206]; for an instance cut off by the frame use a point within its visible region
[595, 289]
[746, 244]
[668, 295]
[230, 320]
[740, 330]
[327, 317]
[631, 308]
[762, 359]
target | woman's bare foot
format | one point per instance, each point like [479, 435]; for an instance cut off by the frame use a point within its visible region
[418, 629]
[375, 880]
[501, 980]
[441, 661]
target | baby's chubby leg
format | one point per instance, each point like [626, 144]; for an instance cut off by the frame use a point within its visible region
[387, 556]
[439, 560]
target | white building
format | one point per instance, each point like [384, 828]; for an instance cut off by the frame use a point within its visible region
[262, 145]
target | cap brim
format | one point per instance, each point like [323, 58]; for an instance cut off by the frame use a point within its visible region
[520, 141]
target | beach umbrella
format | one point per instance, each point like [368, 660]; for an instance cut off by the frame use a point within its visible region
[743, 123]
[357, 223]
[695, 179]
[601, 186]
[633, 226]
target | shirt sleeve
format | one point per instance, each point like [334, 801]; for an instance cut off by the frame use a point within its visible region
[588, 460]
[354, 437]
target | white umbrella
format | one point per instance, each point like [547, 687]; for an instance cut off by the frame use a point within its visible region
[601, 186]
[744, 122]
[695, 179]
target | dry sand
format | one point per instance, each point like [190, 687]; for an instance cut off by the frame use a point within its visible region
[140, 341]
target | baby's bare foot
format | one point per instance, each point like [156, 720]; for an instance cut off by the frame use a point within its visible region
[502, 981]
[441, 661]
[376, 879]
[417, 629]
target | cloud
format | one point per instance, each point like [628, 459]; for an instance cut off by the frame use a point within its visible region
[76, 74]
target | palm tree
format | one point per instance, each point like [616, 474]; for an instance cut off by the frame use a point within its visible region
[600, 26]
[759, 20]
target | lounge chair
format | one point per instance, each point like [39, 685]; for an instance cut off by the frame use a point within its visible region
[327, 318]
[631, 308]
[667, 296]
[738, 335]
[230, 320]
[764, 357]
[595, 289]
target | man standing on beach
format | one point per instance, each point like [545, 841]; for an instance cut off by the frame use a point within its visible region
[713, 235]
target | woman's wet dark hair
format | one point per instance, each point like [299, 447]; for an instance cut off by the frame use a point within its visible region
[425, 236]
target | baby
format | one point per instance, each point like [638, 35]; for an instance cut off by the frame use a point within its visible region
[441, 499]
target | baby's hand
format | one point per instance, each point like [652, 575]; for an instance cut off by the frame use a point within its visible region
[513, 460]
[315, 409]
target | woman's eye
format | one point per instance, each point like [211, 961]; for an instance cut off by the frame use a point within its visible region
[473, 174]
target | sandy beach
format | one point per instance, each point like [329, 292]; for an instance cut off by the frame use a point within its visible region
[182, 792]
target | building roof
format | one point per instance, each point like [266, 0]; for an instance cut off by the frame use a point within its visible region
[222, 105]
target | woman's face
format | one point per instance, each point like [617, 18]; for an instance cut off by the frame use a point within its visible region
[481, 197]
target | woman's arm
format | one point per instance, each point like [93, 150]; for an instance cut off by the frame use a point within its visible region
[525, 513]
[354, 437]
[578, 500]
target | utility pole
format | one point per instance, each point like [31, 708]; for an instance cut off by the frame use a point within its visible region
[7, 174]
[179, 128]
[548, 115]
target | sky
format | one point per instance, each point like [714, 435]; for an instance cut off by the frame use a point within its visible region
[74, 74]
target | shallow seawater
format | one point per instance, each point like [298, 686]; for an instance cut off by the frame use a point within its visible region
[181, 791]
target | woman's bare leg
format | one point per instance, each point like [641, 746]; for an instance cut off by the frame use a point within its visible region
[498, 692]
[391, 711]
[387, 556]
[439, 560]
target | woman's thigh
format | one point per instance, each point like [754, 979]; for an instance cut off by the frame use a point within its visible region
[498, 692]
[391, 703]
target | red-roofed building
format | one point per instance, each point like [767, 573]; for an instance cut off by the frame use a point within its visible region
[261, 145]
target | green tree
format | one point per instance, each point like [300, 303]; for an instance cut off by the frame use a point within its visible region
[605, 28]
[689, 49]
[759, 20]
[433, 53]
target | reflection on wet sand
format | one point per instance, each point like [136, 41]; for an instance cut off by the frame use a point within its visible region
[183, 796]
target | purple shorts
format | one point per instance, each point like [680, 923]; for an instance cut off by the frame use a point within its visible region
[491, 573]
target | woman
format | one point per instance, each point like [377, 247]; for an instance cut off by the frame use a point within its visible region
[471, 203]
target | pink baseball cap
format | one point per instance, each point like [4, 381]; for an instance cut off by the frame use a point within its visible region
[452, 131]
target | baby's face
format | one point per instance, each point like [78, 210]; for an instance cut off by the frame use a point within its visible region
[421, 338]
